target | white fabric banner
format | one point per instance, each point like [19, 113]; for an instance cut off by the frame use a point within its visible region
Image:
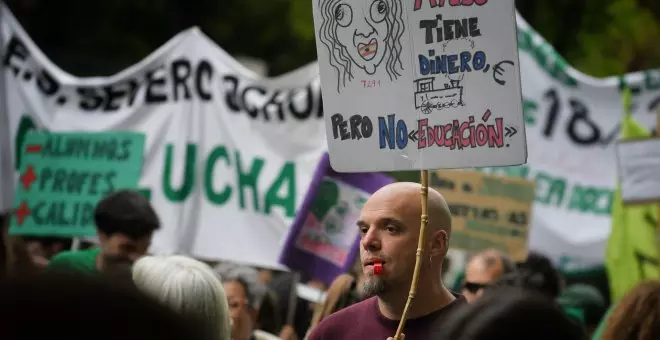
[229, 156]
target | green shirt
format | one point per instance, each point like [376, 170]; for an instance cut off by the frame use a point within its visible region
[81, 261]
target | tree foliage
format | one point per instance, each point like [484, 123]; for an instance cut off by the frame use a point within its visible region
[91, 38]
[599, 37]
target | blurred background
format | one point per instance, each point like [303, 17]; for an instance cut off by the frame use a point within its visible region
[93, 38]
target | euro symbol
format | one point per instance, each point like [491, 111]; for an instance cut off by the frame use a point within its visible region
[499, 70]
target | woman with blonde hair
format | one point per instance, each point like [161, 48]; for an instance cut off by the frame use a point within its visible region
[189, 287]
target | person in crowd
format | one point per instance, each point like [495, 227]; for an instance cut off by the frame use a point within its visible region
[42, 249]
[303, 312]
[344, 291]
[188, 287]
[265, 275]
[245, 294]
[542, 274]
[68, 305]
[636, 315]
[125, 223]
[584, 304]
[268, 318]
[19, 262]
[511, 313]
[389, 228]
[483, 269]
[537, 273]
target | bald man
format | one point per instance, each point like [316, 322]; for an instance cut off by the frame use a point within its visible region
[389, 228]
[484, 269]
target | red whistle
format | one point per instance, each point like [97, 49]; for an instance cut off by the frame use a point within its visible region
[378, 268]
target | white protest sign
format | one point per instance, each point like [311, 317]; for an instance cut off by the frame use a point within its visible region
[639, 170]
[420, 84]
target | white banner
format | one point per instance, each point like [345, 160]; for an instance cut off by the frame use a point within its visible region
[215, 132]
[228, 156]
[572, 125]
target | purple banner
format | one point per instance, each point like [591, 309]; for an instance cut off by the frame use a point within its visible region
[323, 241]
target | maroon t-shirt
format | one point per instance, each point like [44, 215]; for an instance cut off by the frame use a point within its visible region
[363, 321]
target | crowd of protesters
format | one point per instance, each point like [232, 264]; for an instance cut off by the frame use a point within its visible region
[116, 290]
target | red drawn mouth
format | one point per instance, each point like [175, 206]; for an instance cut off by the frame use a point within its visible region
[368, 51]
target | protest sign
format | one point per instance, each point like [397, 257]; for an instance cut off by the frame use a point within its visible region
[639, 170]
[64, 175]
[420, 84]
[324, 238]
[487, 211]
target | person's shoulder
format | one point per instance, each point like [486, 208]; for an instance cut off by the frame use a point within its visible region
[327, 328]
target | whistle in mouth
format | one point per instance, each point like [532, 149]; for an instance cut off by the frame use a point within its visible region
[378, 268]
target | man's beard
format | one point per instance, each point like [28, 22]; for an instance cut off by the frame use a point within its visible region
[373, 286]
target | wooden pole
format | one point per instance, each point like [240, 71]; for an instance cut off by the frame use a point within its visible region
[657, 133]
[420, 248]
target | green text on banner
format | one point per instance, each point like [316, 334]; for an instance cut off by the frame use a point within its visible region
[64, 175]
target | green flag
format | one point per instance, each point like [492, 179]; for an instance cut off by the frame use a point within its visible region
[632, 250]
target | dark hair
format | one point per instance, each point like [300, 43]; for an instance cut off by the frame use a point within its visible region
[512, 314]
[536, 273]
[50, 301]
[120, 273]
[268, 318]
[637, 315]
[126, 212]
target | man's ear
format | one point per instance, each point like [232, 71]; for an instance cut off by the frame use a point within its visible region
[439, 243]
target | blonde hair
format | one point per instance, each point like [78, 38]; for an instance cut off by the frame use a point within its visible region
[187, 286]
[636, 315]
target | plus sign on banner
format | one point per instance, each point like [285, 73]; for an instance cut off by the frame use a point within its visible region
[64, 175]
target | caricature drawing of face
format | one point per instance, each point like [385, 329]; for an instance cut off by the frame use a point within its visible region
[362, 31]
[362, 34]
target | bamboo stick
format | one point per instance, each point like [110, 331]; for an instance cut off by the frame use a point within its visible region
[420, 248]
